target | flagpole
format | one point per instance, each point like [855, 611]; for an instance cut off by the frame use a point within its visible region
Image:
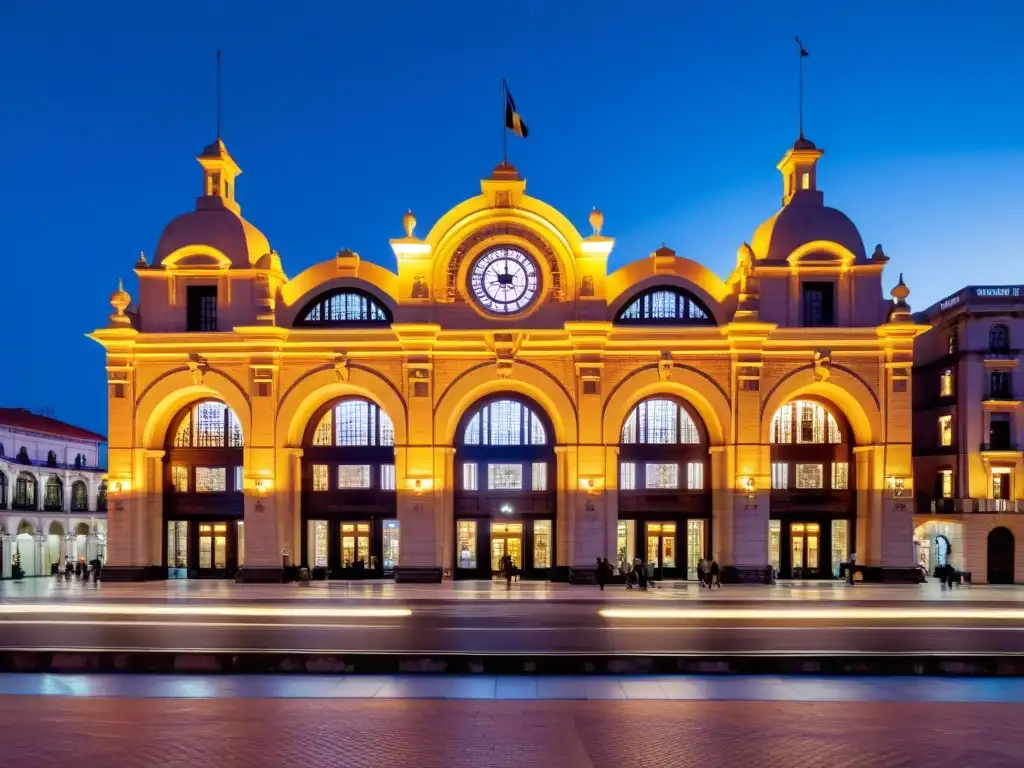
[800, 55]
[504, 127]
[218, 93]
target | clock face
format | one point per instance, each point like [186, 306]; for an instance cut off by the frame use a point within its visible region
[504, 280]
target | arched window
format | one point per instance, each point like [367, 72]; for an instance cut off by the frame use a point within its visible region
[504, 422]
[25, 491]
[354, 422]
[79, 496]
[660, 421]
[82, 529]
[53, 494]
[665, 305]
[806, 422]
[23, 455]
[3, 491]
[51, 459]
[1, 449]
[346, 306]
[208, 424]
[999, 339]
[101, 497]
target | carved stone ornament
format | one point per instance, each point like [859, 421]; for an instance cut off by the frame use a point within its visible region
[665, 366]
[821, 367]
[504, 367]
[341, 368]
[197, 367]
[419, 287]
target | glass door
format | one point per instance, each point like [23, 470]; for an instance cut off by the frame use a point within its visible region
[355, 545]
[390, 550]
[177, 549]
[661, 547]
[805, 546]
[213, 548]
[506, 539]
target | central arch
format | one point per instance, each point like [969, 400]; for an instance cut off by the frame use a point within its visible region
[505, 496]
[1001, 554]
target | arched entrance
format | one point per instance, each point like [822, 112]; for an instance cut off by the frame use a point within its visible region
[813, 508]
[1000, 556]
[505, 501]
[664, 501]
[25, 549]
[349, 502]
[55, 547]
[203, 493]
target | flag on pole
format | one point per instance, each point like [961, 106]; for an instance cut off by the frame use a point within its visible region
[803, 51]
[513, 121]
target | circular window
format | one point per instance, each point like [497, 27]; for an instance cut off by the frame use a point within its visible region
[504, 280]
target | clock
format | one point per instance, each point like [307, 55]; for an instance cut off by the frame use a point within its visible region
[504, 280]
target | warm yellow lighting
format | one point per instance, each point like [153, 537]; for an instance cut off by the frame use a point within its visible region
[898, 485]
[590, 484]
[748, 484]
[420, 485]
[205, 610]
[120, 486]
[262, 486]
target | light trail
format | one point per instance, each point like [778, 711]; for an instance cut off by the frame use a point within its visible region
[108, 609]
[825, 614]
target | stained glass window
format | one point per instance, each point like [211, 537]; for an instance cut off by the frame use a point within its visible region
[504, 422]
[321, 480]
[814, 425]
[354, 476]
[343, 307]
[211, 479]
[183, 437]
[809, 476]
[660, 422]
[662, 475]
[840, 476]
[179, 478]
[540, 476]
[666, 304]
[323, 433]
[209, 423]
[504, 477]
[352, 423]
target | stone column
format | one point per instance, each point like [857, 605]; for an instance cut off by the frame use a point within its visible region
[869, 501]
[8, 555]
[444, 461]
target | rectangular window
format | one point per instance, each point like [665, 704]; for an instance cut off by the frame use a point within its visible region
[694, 546]
[946, 383]
[317, 538]
[627, 476]
[661, 475]
[506, 422]
[177, 549]
[353, 476]
[999, 384]
[540, 476]
[946, 483]
[695, 475]
[387, 477]
[805, 180]
[466, 535]
[999, 431]
[211, 479]
[469, 476]
[179, 478]
[391, 541]
[504, 477]
[352, 423]
[809, 476]
[239, 478]
[201, 310]
[542, 544]
[320, 481]
[819, 305]
[811, 419]
[840, 476]
[780, 476]
[945, 430]
[775, 544]
[840, 545]
[782, 425]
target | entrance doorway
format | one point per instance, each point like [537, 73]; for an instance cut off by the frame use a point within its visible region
[805, 547]
[661, 547]
[1000, 556]
[506, 539]
[213, 549]
[355, 546]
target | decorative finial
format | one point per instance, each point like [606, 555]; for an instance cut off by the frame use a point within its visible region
[409, 223]
[878, 254]
[596, 221]
[142, 260]
[120, 301]
[900, 291]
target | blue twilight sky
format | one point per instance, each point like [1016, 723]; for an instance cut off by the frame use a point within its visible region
[669, 116]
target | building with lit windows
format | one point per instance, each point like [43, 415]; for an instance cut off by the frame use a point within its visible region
[53, 495]
[968, 428]
[501, 392]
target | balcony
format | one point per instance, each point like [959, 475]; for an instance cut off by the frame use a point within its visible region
[1004, 393]
[1000, 446]
[976, 506]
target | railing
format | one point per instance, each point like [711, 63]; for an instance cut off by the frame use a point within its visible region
[47, 465]
[1000, 445]
[979, 506]
[1000, 394]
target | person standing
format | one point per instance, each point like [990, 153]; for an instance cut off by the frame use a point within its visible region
[701, 572]
[600, 574]
[714, 574]
[851, 568]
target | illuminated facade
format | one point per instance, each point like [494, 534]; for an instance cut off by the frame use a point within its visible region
[968, 428]
[502, 393]
[53, 495]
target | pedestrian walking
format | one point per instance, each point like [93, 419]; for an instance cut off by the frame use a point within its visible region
[641, 573]
[508, 566]
[850, 568]
[701, 573]
[714, 574]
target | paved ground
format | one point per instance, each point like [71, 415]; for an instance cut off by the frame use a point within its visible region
[275, 733]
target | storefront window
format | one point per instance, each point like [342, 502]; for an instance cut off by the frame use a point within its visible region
[626, 543]
[467, 543]
[391, 540]
[316, 533]
[775, 544]
[542, 544]
[840, 546]
[694, 546]
[177, 549]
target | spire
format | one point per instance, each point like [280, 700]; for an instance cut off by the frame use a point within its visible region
[219, 168]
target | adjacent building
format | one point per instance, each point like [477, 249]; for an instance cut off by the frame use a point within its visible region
[502, 393]
[53, 495]
[967, 434]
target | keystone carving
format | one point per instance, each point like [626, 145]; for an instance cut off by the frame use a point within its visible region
[821, 367]
[341, 368]
[198, 367]
[665, 366]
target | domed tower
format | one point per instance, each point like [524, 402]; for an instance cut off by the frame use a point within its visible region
[187, 287]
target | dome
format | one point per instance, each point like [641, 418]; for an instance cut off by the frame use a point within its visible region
[216, 227]
[803, 222]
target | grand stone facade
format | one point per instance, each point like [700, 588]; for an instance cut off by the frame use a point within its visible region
[503, 393]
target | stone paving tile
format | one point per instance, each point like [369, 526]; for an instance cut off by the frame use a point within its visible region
[279, 733]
